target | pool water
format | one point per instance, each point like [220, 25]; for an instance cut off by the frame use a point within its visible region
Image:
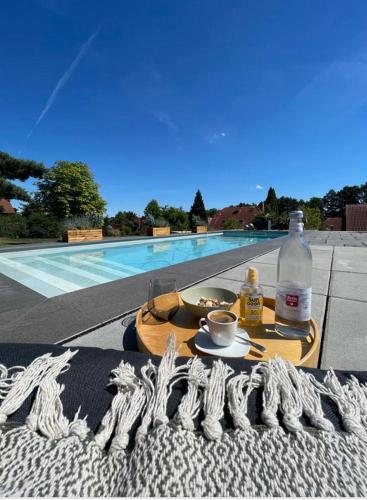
[55, 271]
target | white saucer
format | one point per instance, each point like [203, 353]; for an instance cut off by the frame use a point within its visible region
[235, 350]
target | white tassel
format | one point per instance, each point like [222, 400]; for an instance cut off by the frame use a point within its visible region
[290, 400]
[310, 398]
[167, 376]
[348, 407]
[271, 397]
[158, 383]
[189, 407]
[42, 368]
[79, 427]
[358, 392]
[47, 411]
[126, 405]
[126, 420]
[238, 399]
[149, 375]
[8, 376]
[214, 395]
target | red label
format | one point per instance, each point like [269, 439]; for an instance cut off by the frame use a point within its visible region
[291, 300]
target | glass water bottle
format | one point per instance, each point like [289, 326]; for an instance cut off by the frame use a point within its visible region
[294, 282]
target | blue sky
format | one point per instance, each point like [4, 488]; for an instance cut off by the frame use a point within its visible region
[161, 98]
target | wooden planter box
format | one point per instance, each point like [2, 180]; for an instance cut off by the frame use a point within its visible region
[160, 231]
[78, 235]
[200, 229]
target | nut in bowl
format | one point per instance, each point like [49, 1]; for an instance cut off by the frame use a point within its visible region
[202, 300]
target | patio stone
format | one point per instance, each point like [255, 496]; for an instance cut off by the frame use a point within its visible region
[349, 285]
[350, 259]
[267, 273]
[107, 337]
[345, 337]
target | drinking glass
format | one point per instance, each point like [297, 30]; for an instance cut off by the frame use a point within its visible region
[163, 300]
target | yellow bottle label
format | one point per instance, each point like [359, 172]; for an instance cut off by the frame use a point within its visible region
[252, 308]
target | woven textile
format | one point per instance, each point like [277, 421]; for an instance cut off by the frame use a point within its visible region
[191, 454]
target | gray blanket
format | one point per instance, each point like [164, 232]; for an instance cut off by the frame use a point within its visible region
[192, 454]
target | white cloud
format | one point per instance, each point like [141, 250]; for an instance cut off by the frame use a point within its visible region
[259, 186]
[64, 79]
[165, 120]
[216, 136]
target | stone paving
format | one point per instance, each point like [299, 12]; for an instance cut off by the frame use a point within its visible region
[339, 301]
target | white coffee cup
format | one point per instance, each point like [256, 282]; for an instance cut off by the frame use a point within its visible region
[221, 325]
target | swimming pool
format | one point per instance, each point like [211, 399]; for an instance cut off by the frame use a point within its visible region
[55, 271]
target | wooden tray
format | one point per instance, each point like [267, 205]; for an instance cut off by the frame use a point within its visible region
[152, 336]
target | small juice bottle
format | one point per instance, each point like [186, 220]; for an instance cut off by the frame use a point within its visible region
[251, 299]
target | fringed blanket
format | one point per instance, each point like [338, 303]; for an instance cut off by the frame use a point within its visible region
[52, 456]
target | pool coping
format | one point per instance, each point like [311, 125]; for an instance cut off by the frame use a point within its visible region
[36, 319]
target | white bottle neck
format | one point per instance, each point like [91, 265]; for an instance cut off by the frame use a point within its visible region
[296, 228]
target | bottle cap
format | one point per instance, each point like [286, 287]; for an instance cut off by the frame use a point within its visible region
[252, 276]
[296, 214]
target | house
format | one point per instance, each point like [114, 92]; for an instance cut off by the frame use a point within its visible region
[356, 217]
[6, 207]
[243, 213]
[334, 223]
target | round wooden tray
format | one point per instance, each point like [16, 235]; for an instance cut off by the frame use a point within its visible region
[152, 336]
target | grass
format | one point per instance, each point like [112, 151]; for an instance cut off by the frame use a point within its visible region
[24, 241]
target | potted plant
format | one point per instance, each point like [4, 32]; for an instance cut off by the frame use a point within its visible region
[83, 228]
[158, 226]
[200, 225]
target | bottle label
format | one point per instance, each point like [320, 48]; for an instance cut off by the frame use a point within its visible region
[293, 304]
[253, 306]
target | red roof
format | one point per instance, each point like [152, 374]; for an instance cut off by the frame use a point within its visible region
[356, 217]
[244, 214]
[6, 207]
[334, 223]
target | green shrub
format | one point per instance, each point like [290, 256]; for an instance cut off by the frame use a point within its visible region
[91, 221]
[13, 226]
[260, 221]
[232, 223]
[44, 226]
[110, 231]
[161, 222]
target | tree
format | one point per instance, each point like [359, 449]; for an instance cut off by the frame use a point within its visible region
[313, 217]
[331, 204]
[17, 168]
[350, 195]
[260, 221]
[232, 223]
[128, 222]
[153, 209]
[287, 204]
[197, 209]
[177, 218]
[271, 203]
[334, 202]
[315, 202]
[363, 193]
[68, 189]
[210, 212]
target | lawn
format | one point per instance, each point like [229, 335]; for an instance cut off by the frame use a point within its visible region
[23, 241]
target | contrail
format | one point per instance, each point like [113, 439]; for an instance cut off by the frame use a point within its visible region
[63, 80]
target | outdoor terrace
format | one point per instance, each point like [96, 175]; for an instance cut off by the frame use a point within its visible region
[339, 302]
[98, 316]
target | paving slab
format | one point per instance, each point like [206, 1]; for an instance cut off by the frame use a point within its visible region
[350, 259]
[348, 285]
[345, 336]
[107, 337]
[267, 273]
